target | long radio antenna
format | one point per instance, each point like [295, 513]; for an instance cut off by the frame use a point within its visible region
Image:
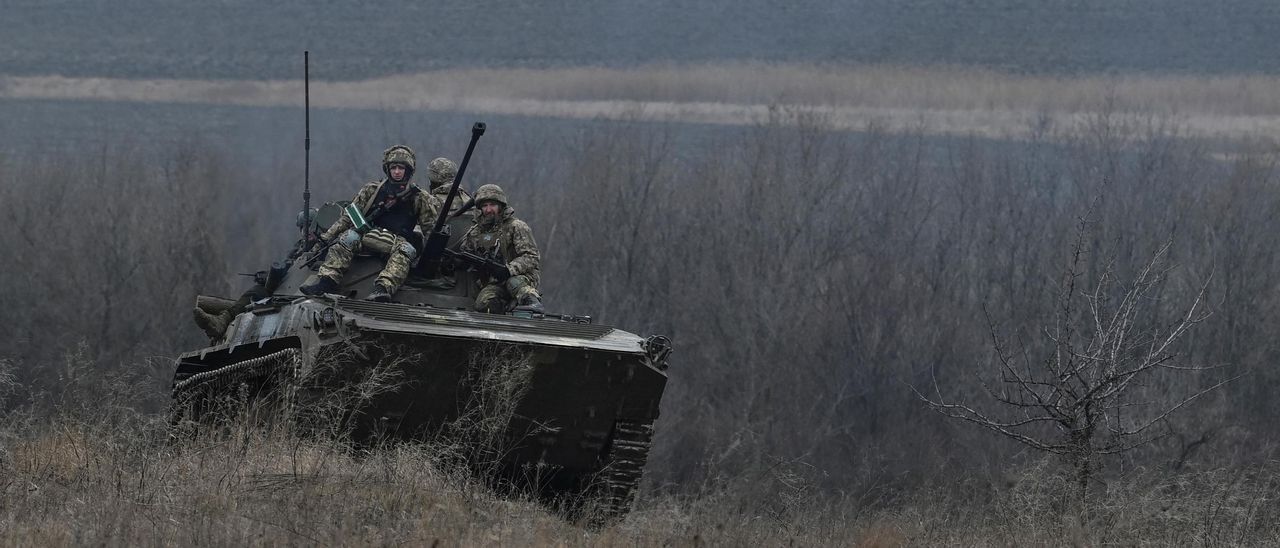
[306, 162]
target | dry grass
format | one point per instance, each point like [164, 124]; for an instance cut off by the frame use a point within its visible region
[74, 482]
[947, 100]
[76, 486]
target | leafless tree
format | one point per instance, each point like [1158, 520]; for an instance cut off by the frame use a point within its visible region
[1080, 393]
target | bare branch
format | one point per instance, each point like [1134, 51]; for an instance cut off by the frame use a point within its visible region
[1179, 405]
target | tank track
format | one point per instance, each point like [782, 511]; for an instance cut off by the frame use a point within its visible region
[228, 374]
[210, 382]
[621, 478]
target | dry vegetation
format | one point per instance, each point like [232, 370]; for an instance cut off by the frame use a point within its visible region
[809, 278]
[92, 478]
[950, 100]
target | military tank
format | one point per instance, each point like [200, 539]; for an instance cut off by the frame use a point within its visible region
[551, 402]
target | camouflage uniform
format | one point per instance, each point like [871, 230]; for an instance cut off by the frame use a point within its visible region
[393, 227]
[441, 172]
[513, 240]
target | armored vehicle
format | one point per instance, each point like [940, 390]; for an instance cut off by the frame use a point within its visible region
[552, 402]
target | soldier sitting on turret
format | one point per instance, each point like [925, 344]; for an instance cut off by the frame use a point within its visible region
[496, 231]
[392, 206]
[441, 172]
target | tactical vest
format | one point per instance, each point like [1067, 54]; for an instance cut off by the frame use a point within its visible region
[400, 217]
[494, 239]
[490, 242]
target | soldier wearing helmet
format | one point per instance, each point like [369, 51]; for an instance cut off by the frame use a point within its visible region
[496, 231]
[441, 172]
[393, 206]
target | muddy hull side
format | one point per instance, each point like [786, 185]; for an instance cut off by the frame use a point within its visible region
[549, 416]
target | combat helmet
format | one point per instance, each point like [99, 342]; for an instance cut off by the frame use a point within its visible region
[398, 154]
[490, 193]
[441, 171]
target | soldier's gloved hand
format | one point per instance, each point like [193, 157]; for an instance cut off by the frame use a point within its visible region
[312, 255]
[309, 244]
[500, 272]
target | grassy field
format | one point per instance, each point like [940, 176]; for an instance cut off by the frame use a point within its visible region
[115, 479]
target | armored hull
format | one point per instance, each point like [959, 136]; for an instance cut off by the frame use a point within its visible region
[550, 402]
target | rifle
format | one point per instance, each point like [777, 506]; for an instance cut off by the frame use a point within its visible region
[438, 240]
[494, 264]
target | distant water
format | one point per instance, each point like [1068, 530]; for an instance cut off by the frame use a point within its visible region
[251, 39]
[347, 144]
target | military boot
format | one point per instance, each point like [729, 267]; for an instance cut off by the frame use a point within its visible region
[214, 325]
[380, 293]
[320, 286]
[530, 303]
[492, 306]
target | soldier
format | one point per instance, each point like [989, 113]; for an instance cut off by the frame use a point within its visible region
[214, 315]
[441, 172]
[496, 231]
[392, 206]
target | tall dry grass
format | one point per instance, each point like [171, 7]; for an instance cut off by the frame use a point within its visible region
[98, 472]
[75, 480]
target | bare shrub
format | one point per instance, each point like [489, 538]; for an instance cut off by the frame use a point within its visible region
[496, 379]
[332, 399]
[1085, 391]
[8, 383]
[101, 249]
